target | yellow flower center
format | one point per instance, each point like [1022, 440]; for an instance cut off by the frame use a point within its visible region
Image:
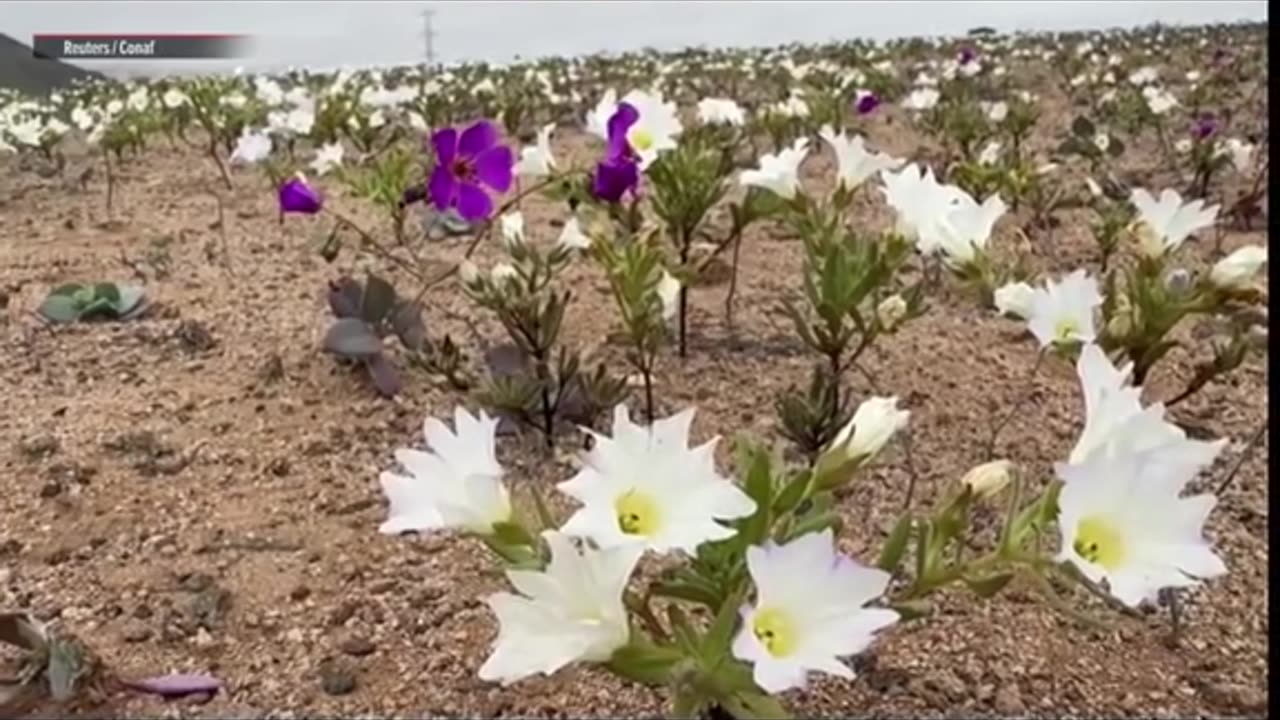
[641, 139]
[775, 631]
[1066, 330]
[1099, 542]
[637, 513]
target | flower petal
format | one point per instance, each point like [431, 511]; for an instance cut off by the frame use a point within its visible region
[476, 139]
[445, 142]
[442, 187]
[494, 167]
[473, 202]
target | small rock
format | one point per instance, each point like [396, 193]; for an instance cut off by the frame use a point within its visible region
[357, 646]
[51, 489]
[337, 679]
[38, 446]
[299, 593]
[344, 612]
[136, 632]
[1233, 697]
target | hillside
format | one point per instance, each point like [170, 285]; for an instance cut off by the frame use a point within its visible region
[20, 70]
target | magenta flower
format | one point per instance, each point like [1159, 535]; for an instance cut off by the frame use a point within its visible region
[619, 171]
[867, 103]
[1205, 127]
[467, 163]
[296, 196]
[967, 55]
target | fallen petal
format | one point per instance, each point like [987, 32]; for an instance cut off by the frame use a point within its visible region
[176, 685]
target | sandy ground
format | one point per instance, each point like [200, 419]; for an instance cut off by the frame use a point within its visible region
[197, 490]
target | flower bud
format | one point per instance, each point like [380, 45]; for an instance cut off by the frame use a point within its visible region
[502, 272]
[891, 311]
[1178, 281]
[468, 272]
[988, 479]
[1237, 269]
[512, 231]
[872, 426]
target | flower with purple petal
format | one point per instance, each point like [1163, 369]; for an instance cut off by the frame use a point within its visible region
[967, 55]
[619, 171]
[466, 164]
[866, 103]
[1205, 127]
[297, 196]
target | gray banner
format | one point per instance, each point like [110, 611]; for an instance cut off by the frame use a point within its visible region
[138, 47]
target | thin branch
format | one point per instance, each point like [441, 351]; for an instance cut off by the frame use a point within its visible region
[1244, 457]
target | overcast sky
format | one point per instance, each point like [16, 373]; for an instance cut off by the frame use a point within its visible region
[368, 33]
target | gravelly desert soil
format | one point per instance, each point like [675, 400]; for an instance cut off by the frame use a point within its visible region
[197, 490]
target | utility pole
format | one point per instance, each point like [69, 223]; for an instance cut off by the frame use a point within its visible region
[429, 35]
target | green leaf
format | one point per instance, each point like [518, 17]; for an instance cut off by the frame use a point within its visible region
[895, 545]
[792, 493]
[684, 633]
[129, 300]
[719, 637]
[645, 663]
[911, 609]
[106, 291]
[986, 587]
[759, 487]
[682, 590]
[545, 518]
[59, 309]
[924, 536]
[67, 289]
[1115, 148]
[353, 338]
[754, 706]
[66, 667]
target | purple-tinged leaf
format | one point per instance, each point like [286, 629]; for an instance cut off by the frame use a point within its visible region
[406, 320]
[384, 375]
[506, 360]
[177, 685]
[379, 298]
[344, 297]
[352, 338]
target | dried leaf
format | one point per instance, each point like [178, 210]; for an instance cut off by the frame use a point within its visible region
[177, 685]
[22, 630]
[384, 375]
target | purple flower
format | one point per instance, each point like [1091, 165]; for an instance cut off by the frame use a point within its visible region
[967, 55]
[1205, 127]
[619, 171]
[866, 103]
[296, 196]
[466, 164]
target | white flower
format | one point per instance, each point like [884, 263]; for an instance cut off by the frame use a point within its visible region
[1015, 299]
[1183, 146]
[536, 160]
[854, 162]
[1094, 188]
[963, 231]
[720, 111]
[1062, 312]
[645, 483]
[570, 612]
[468, 272]
[1143, 76]
[919, 201]
[572, 236]
[1102, 141]
[1241, 154]
[174, 98]
[299, 121]
[996, 111]
[327, 157]
[456, 484]
[598, 119]
[1158, 101]
[793, 106]
[891, 311]
[988, 479]
[922, 99]
[512, 230]
[82, 118]
[809, 611]
[234, 100]
[1123, 522]
[416, 121]
[1115, 421]
[874, 423]
[669, 293]
[377, 119]
[1238, 268]
[778, 173]
[252, 147]
[990, 154]
[1165, 224]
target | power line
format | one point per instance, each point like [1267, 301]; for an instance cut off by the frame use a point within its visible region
[429, 35]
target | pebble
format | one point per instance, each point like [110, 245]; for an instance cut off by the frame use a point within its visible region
[357, 646]
[337, 679]
[136, 632]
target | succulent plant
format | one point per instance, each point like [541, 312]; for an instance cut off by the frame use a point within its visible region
[51, 666]
[512, 391]
[76, 301]
[365, 315]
